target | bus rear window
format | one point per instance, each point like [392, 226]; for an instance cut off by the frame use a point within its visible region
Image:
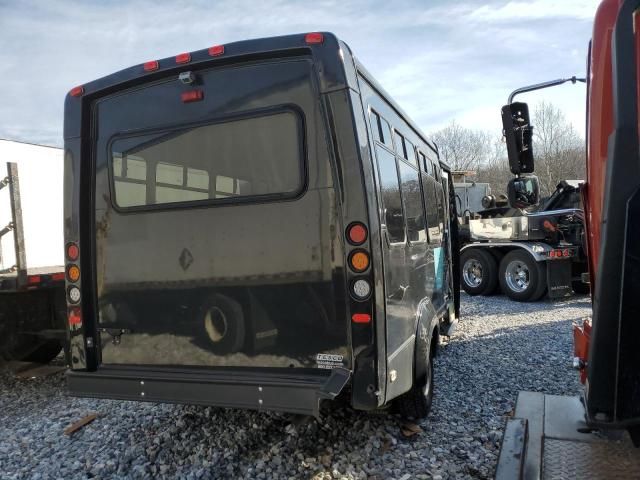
[242, 159]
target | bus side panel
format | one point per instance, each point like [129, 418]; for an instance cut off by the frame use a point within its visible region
[407, 255]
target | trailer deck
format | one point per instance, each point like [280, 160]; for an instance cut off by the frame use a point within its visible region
[548, 438]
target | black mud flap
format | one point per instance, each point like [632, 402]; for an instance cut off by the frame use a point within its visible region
[299, 393]
[559, 278]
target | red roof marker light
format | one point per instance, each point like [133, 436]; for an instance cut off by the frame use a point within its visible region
[216, 50]
[76, 91]
[314, 37]
[183, 58]
[151, 65]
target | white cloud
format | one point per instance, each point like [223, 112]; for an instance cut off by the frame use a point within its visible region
[440, 60]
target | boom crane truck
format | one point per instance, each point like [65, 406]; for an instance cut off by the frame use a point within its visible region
[592, 435]
[525, 249]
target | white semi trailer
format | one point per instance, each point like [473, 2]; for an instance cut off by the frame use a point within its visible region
[32, 297]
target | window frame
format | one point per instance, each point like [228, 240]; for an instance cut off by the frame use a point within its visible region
[298, 115]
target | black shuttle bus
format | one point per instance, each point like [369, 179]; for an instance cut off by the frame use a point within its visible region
[255, 225]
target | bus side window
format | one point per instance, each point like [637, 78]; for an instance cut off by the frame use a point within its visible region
[381, 129]
[410, 153]
[393, 216]
[401, 148]
[413, 203]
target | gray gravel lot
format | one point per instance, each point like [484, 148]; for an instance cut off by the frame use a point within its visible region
[500, 347]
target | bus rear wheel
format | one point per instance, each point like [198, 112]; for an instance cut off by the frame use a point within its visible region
[223, 323]
[479, 275]
[416, 403]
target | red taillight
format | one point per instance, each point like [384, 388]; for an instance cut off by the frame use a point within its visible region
[183, 58]
[57, 276]
[216, 50]
[33, 279]
[314, 37]
[151, 66]
[75, 316]
[192, 96]
[356, 234]
[73, 252]
[565, 252]
[361, 318]
[77, 91]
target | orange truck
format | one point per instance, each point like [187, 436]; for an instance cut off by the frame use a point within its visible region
[594, 435]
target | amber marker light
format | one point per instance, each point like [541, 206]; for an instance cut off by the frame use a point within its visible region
[359, 261]
[73, 273]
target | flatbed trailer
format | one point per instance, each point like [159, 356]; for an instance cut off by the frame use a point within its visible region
[32, 298]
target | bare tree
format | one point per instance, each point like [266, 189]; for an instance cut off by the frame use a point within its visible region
[557, 148]
[462, 148]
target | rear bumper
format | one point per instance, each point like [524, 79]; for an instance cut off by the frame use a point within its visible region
[299, 393]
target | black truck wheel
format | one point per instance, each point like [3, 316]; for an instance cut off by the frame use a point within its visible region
[479, 272]
[223, 323]
[580, 288]
[521, 277]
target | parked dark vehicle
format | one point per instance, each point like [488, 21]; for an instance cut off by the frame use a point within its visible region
[259, 226]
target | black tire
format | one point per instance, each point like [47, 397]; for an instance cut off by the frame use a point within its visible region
[522, 278]
[580, 288]
[223, 324]
[478, 264]
[416, 403]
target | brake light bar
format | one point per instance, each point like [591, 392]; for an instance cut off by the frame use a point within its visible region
[192, 96]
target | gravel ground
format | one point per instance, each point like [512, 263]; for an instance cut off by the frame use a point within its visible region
[500, 347]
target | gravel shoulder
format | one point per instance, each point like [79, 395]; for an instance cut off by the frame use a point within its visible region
[500, 348]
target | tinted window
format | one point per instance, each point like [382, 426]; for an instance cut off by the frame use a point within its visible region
[386, 132]
[381, 129]
[424, 162]
[413, 207]
[410, 153]
[400, 148]
[249, 157]
[391, 202]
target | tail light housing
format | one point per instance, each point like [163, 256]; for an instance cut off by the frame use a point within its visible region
[359, 261]
[74, 317]
[357, 233]
[73, 252]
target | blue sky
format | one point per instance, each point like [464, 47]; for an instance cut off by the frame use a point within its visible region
[440, 60]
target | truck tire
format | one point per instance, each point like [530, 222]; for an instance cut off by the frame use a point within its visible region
[223, 324]
[479, 272]
[580, 288]
[416, 403]
[521, 277]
